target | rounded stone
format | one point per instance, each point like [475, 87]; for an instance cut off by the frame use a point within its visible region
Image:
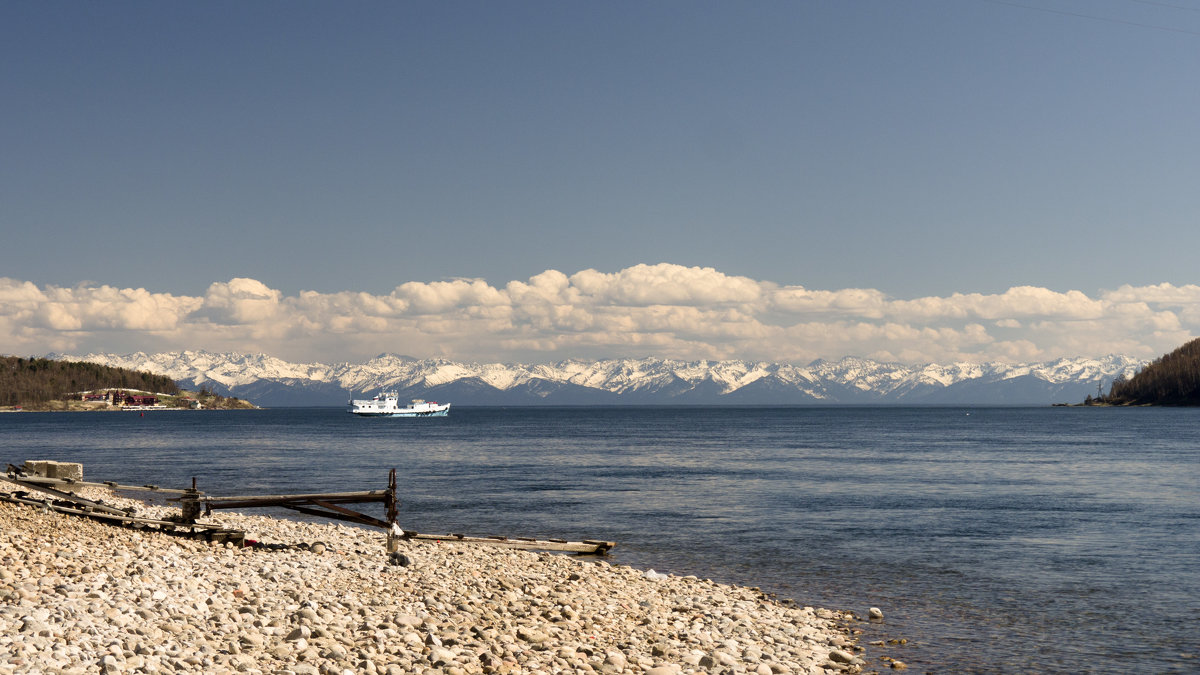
[839, 656]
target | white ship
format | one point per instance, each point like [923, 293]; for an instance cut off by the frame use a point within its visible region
[387, 404]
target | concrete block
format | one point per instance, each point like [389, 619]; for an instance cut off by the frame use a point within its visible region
[51, 469]
[68, 470]
[36, 467]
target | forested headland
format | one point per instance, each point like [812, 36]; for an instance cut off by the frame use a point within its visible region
[30, 382]
[1172, 379]
[47, 384]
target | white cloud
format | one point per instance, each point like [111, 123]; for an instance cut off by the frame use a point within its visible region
[664, 284]
[444, 296]
[1015, 303]
[645, 310]
[241, 302]
[862, 302]
[1161, 294]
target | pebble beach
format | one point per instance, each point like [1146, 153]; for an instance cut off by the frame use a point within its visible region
[80, 596]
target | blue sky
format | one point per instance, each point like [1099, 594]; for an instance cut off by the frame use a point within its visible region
[921, 149]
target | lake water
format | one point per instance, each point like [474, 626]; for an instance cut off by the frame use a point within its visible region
[993, 539]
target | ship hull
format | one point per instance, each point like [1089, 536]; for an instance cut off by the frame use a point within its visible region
[405, 413]
[388, 405]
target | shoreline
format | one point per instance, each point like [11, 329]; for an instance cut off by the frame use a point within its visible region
[115, 410]
[76, 594]
[147, 408]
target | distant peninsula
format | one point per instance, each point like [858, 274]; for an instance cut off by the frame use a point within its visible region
[36, 384]
[1170, 380]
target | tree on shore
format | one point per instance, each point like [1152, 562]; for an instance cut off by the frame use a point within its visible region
[1172, 379]
[33, 381]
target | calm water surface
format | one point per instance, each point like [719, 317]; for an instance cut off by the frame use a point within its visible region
[994, 539]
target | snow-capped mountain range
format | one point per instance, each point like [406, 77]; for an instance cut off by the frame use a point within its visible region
[269, 381]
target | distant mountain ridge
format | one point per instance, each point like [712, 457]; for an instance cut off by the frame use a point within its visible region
[269, 381]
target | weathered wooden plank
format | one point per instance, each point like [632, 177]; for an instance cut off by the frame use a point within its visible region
[106, 484]
[67, 496]
[345, 514]
[344, 497]
[588, 546]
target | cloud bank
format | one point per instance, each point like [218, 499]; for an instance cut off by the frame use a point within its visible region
[660, 310]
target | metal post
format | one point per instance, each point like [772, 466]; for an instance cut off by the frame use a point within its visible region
[393, 544]
[189, 504]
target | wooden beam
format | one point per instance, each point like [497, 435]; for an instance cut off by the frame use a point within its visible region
[364, 496]
[106, 484]
[586, 546]
[348, 515]
[68, 496]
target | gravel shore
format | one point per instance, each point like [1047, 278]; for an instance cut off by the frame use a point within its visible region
[78, 596]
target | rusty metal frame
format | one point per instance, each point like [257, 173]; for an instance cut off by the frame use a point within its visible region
[325, 505]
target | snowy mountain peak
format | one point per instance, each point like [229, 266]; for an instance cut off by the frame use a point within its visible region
[271, 381]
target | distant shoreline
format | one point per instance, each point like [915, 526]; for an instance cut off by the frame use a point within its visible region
[117, 410]
[60, 405]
